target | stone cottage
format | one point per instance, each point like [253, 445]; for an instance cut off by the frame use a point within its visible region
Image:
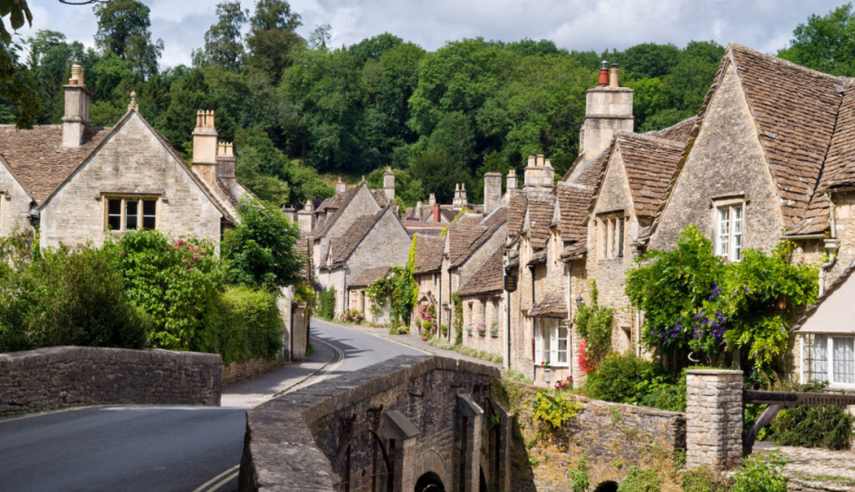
[428, 275]
[79, 183]
[371, 242]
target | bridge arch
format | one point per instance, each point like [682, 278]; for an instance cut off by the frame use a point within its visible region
[429, 482]
[607, 486]
[430, 462]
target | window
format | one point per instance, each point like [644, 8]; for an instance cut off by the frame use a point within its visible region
[729, 231]
[484, 312]
[612, 237]
[827, 358]
[627, 337]
[551, 342]
[496, 316]
[128, 214]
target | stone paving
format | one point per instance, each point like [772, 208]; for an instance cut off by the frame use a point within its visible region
[816, 468]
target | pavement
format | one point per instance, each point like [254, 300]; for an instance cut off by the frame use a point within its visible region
[168, 447]
[815, 468]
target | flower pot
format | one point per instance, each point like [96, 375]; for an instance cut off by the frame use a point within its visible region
[494, 335]
[547, 376]
[424, 337]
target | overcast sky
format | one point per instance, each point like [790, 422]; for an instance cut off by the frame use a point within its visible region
[598, 25]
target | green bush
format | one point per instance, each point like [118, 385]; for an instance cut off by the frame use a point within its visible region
[814, 426]
[704, 480]
[246, 325]
[640, 480]
[68, 297]
[326, 303]
[627, 378]
[176, 283]
[761, 473]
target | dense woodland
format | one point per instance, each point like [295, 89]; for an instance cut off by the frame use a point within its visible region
[300, 110]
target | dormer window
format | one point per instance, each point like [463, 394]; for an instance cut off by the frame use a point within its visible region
[729, 230]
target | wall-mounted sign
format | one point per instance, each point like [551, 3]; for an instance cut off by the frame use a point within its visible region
[510, 283]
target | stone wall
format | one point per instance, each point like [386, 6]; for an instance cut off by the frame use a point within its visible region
[473, 309]
[14, 204]
[417, 406]
[58, 377]
[238, 371]
[614, 437]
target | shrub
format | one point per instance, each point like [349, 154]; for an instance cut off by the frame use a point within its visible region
[627, 378]
[704, 480]
[176, 283]
[594, 324]
[246, 325]
[68, 297]
[326, 303]
[554, 407]
[579, 480]
[814, 426]
[761, 473]
[640, 480]
[260, 250]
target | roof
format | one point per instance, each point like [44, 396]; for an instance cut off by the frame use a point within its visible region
[428, 257]
[679, 132]
[488, 278]
[338, 203]
[37, 159]
[460, 236]
[369, 276]
[840, 163]
[347, 244]
[540, 212]
[492, 223]
[516, 213]
[573, 206]
[834, 311]
[650, 163]
[554, 305]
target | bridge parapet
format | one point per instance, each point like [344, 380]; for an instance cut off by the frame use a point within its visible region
[714, 418]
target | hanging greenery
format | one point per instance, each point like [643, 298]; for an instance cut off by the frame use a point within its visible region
[399, 289]
[594, 325]
[694, 301]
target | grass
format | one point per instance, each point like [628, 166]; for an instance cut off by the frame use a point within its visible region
[468, 351]
[309, 350]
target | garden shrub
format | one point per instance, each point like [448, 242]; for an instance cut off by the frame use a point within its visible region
[814, 426]
[763, 472]
[640, 480]
[326, 303]
[627, 378]
[554, 407]
[176, 283]
[594, 324]
[245, 325]
[68, 297]
[704, 479]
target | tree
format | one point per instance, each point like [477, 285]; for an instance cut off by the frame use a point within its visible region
[825, 43]
[260, 250]
[123, 28]
[18, 90]
[223, 46]
[18, 11]
[273, 37]
[439, 173]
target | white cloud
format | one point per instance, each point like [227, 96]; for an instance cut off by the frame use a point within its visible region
[573, 24]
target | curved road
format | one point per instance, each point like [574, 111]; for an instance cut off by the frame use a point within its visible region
[159, 448]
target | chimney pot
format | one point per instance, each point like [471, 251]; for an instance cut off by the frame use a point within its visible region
[604, 73]
[432, 199]
[531, 159]
[340, 186]
[613, 76]
[436, 217]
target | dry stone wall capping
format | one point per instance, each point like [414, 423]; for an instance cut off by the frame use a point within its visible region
[714, 418]
[58, 377]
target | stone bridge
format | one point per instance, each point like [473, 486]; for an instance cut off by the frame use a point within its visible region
[431, 424]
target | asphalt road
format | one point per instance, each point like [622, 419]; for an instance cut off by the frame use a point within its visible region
[154, 448]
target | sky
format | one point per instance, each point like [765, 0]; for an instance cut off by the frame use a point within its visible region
[598, 25]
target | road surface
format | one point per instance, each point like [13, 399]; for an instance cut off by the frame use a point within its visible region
[158, 448]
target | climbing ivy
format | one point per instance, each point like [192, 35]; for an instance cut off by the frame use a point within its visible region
[399, 289]
[594, 324]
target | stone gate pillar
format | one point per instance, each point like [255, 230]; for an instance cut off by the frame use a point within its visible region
[471, 443]
[713, 418]
[402, 436]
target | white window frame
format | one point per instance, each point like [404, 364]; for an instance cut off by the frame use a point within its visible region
[830, 377]
[730, 241]
[553, 340]
[612, 236]
[123, 211]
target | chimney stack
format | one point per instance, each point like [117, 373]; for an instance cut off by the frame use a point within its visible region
[76, 117]
[306, 217]
[340, 186]
[608, 109]
[492, 191]
[436, 215]
[205, 147]
[460, 200]
[225, 161]
[512, 182]
[604, 73]
[613, 75]
[389, 185]
[539, 175]
[432, 200]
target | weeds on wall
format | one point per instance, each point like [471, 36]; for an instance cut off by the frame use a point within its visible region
[761, 472]
[705, 480]
[579, 480]
[640, 480]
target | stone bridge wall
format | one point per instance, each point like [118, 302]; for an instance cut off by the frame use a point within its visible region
[58, 377]
[615, 437]
[419, 406]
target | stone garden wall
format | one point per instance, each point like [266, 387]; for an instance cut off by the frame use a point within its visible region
[59, 377]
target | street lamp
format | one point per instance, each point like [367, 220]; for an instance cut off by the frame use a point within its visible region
[580, 301]
[33, 216]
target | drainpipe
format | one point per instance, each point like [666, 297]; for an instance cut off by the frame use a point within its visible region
[831, 246]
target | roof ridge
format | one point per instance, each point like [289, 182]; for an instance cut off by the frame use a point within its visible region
[650, 138]
[786, 63]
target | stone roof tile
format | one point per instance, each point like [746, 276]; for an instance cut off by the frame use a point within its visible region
[368, 276]
[429, 251]
[540, 212]
[489, 277]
